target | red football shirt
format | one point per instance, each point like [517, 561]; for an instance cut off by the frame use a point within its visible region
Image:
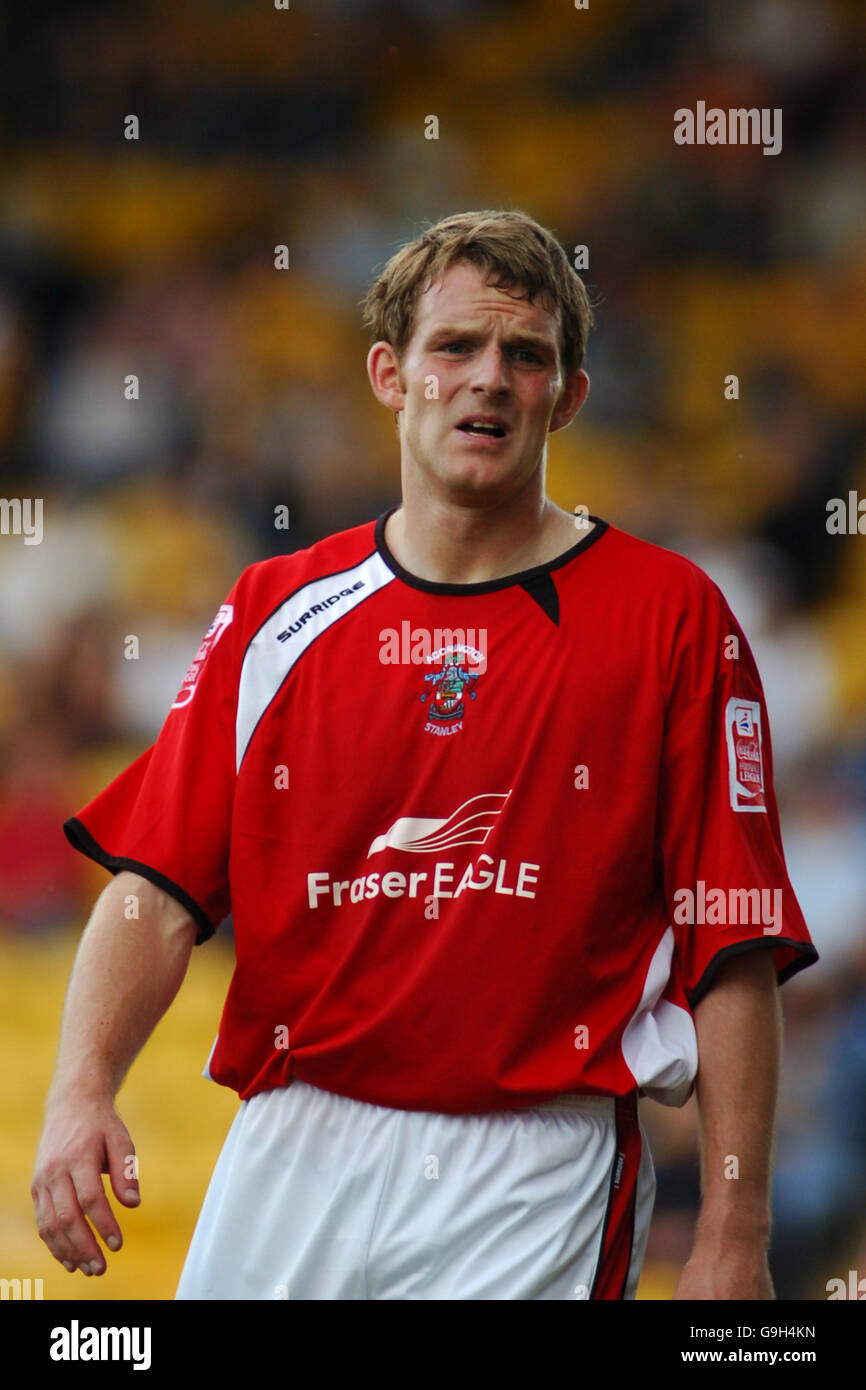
[481, 843]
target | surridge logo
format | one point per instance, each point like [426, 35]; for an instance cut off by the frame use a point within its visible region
[316, 609]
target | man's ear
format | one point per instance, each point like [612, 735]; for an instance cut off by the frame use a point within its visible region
[383, 369]
[572, 396]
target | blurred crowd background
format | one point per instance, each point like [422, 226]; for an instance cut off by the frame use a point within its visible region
[155, 256]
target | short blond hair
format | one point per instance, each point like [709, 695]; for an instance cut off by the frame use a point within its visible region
[514, 250]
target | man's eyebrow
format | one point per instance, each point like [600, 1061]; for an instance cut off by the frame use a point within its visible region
[521, 338]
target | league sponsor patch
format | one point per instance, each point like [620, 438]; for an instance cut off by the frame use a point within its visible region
[208, 642]
[745, 755]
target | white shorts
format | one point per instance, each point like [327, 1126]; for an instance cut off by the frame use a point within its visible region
[316, 1196]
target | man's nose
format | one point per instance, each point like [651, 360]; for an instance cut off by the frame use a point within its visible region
[490, 369]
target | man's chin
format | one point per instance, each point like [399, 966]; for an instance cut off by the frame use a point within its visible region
[468, 476]
[483, 476]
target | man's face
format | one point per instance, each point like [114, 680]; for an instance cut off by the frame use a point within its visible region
[495, 360]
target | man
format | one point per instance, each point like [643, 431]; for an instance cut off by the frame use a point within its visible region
[488, 790]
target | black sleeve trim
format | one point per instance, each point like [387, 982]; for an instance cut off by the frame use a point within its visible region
[81, 839]
[808, 955]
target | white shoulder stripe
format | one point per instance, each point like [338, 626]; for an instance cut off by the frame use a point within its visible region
[289, 631]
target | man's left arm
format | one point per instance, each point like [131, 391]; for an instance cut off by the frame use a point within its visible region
[739, 1032]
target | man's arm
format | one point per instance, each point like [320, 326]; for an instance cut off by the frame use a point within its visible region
[739, 1031]
[126, 973]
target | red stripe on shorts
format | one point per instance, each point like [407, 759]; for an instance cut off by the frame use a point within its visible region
[618, 1233]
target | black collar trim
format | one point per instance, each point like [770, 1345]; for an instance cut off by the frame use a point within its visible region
[486, 586]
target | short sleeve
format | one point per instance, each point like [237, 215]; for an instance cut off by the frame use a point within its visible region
[719, 844]
[168, 815]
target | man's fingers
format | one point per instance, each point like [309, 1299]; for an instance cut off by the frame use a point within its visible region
[72, 1202]
[71, 1224]
[122, 1166]
[50, 1232]
[95, 1205]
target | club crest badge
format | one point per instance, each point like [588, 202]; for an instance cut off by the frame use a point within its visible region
[450, 687]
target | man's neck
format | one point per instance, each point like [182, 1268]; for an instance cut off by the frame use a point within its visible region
[448, 544]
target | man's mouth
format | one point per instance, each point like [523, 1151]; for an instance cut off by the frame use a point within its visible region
[482, 427]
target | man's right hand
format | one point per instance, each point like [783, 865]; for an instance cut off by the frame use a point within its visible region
[82, 1139]
[128, 968]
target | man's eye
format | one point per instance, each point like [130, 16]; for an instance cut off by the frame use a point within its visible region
[460, 344]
